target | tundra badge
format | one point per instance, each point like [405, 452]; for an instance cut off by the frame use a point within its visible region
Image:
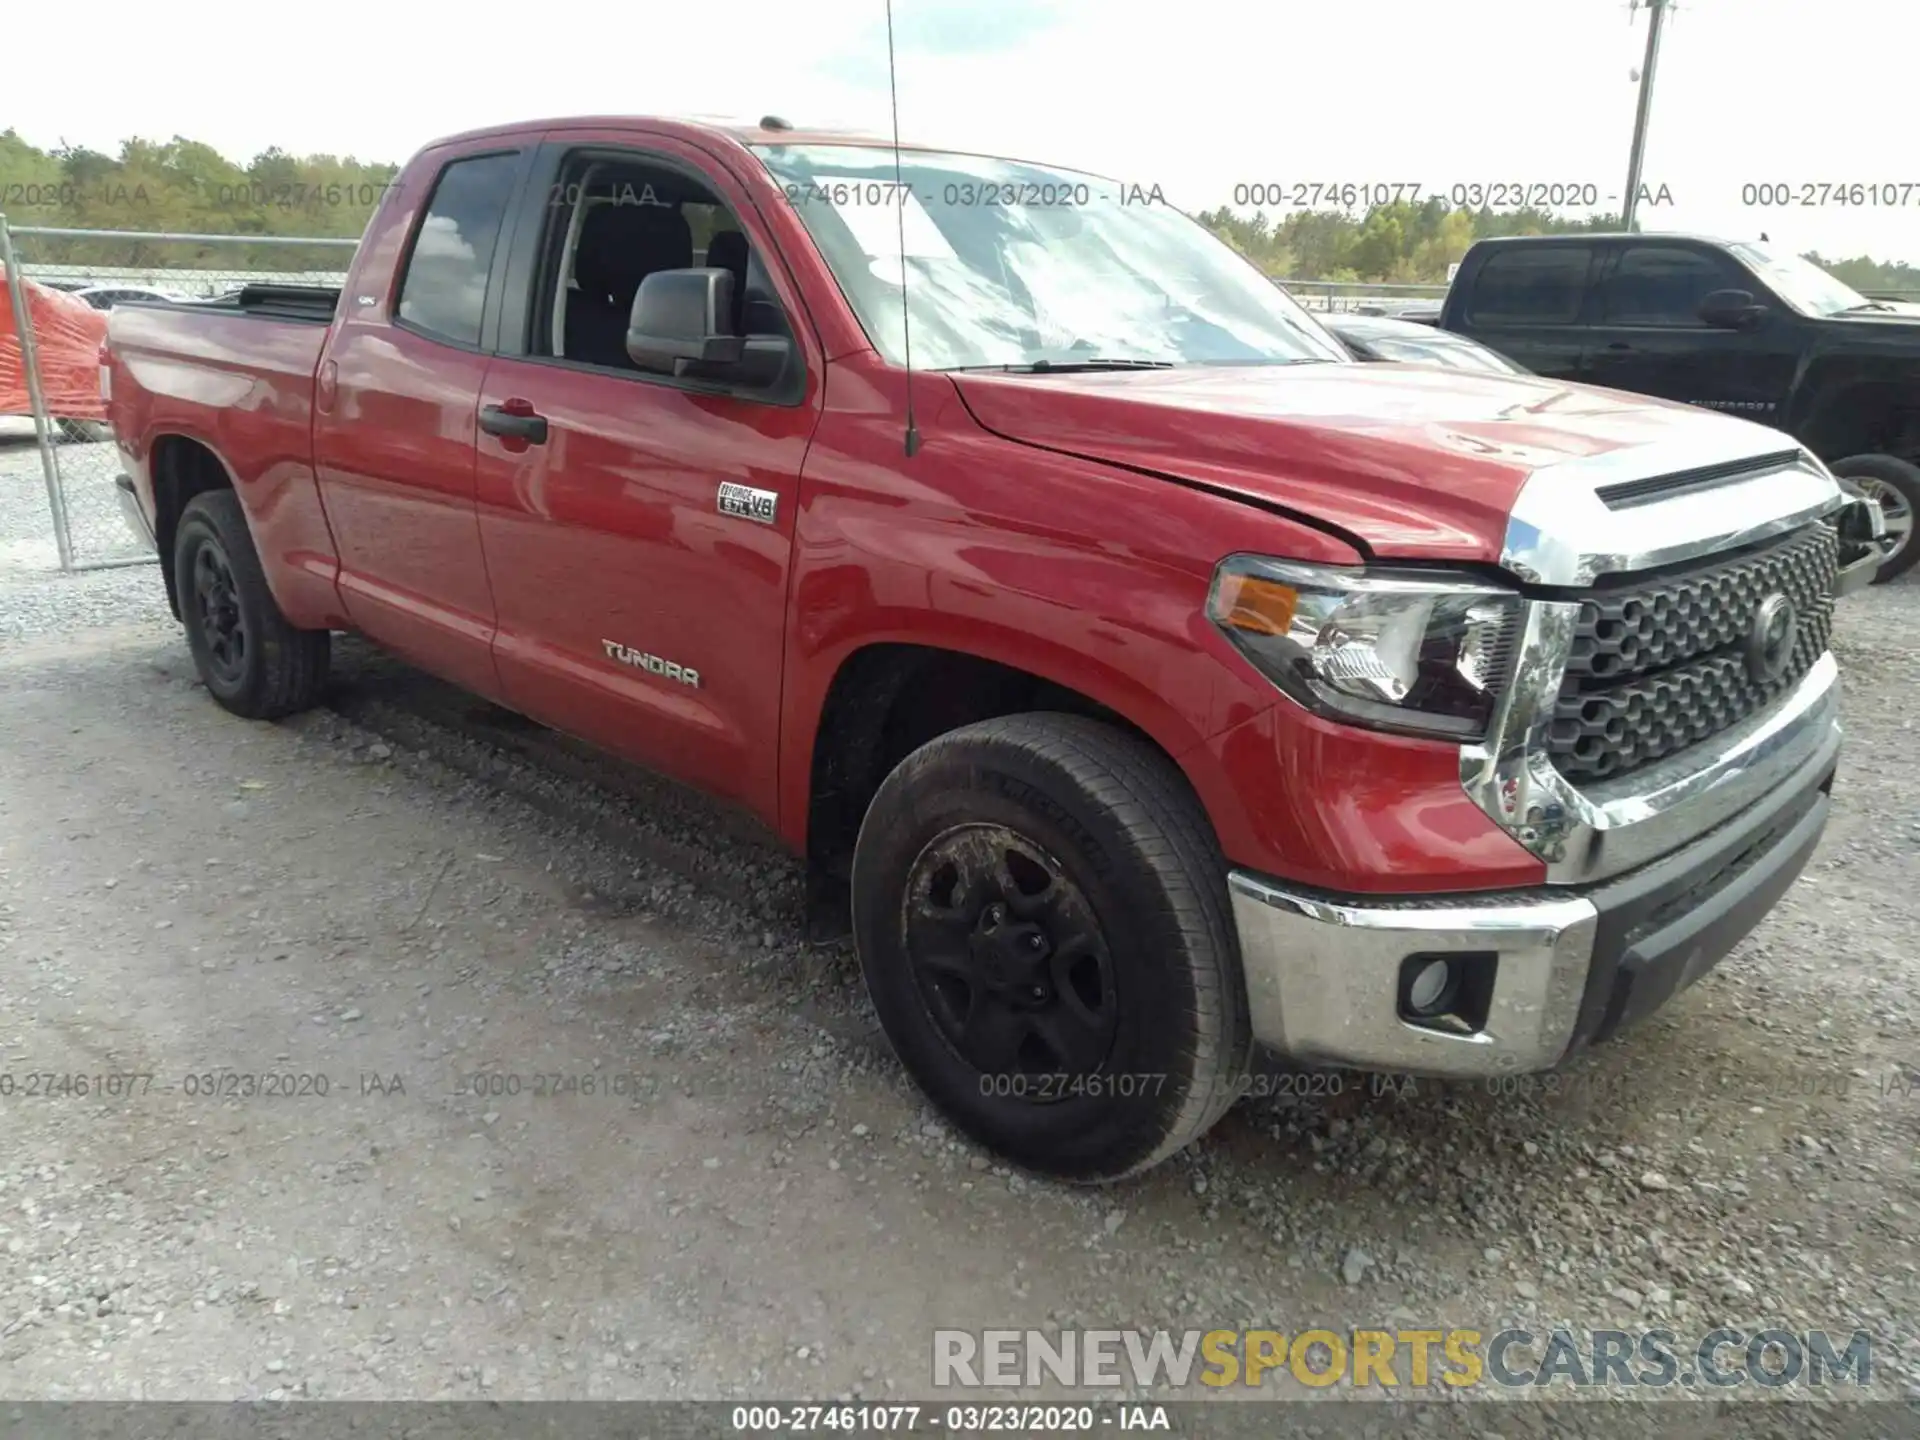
[747, 503]
[652, 664]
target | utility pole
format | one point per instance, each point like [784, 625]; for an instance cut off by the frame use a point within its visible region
[1658, 9]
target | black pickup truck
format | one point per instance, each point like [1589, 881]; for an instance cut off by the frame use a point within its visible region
[1743, 327]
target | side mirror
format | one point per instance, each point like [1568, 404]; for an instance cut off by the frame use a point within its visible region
[682, 324]
[1731, 310]
[681, 318]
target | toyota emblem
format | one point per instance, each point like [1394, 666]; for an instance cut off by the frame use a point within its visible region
[1770, 641]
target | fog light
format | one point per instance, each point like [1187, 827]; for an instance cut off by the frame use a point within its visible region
[1431, 989]
[1447, 991]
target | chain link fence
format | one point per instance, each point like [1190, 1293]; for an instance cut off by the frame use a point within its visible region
[86, 528]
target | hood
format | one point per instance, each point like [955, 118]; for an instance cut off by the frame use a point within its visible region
[1410, 461]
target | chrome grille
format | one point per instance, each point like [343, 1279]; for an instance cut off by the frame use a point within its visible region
[1661, 665]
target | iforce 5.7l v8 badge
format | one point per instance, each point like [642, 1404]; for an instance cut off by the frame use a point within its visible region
[747, 503]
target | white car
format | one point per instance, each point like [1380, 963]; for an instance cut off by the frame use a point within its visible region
[105, 297]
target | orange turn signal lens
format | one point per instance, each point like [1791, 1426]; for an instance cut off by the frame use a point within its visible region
[1256, 605]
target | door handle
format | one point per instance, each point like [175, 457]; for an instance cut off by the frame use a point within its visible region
[512, 425]
[1618, 345]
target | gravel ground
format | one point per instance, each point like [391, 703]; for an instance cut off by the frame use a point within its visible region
[408, 889]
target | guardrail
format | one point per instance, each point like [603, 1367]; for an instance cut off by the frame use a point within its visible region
[1345, 294]
[1334, 295]
[195, 280]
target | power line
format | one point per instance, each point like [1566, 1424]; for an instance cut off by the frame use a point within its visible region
[1657, 16]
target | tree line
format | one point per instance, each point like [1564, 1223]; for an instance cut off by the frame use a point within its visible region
[1408, 243]
[187, 187]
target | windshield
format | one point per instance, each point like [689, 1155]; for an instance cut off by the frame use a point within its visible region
[1800, 283]
[1453, 356]
[1010, 264]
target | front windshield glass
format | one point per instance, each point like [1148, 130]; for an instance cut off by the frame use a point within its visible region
[1800, 283]
[1008, 264]
[1455, 357]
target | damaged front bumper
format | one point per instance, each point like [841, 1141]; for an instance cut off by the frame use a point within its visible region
[1865, 544]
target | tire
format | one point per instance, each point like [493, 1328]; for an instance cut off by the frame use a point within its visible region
[250, 659]
[1093, 838]
[1896, 484]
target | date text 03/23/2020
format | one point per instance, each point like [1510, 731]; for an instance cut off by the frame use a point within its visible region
[955, 1420]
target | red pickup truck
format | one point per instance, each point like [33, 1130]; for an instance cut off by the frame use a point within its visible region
[1150, 679]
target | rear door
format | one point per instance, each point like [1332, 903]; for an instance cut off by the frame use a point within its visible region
[1533, 304]
[395, 405]
[1649, 337]
[639, 547]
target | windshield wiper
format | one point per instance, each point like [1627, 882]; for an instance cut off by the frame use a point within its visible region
[1266, 360]
[1870, 305]
[1061, 367]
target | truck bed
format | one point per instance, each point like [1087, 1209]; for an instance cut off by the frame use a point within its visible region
[307, 304]
[241, 369]
[265, 339]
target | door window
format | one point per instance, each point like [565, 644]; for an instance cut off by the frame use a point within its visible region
[1532, 285]
[444, 289]
[613, 221]
[1663, 285]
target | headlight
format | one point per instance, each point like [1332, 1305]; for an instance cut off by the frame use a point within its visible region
[1394, 650]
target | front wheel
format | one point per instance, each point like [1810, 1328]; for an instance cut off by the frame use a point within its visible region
[1895, 484]
[249, 657]
[1040, 909]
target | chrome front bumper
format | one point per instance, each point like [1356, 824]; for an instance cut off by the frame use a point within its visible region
[1568, 965]
[1323, 977]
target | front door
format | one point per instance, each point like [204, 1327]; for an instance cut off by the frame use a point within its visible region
[1651, 340]
[637, 526]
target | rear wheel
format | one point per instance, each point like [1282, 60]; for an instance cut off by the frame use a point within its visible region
[249, 657]
[1041, 913]
[1896, 485]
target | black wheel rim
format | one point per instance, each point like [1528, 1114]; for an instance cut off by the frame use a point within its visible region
[1010, 962]
[223, 629]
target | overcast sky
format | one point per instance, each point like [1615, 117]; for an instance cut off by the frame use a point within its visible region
[1197, 97]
